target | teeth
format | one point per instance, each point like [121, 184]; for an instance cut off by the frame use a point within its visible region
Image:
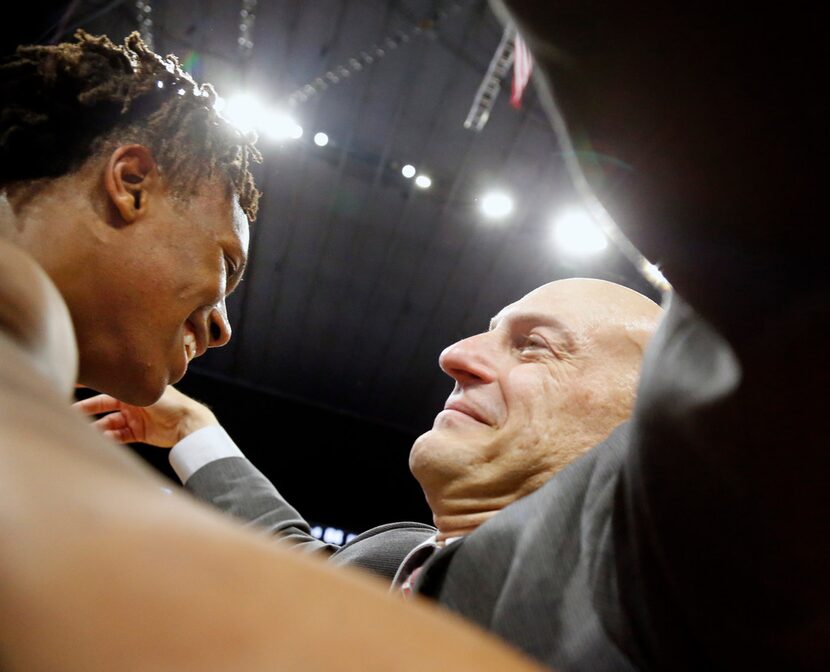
[189, 345]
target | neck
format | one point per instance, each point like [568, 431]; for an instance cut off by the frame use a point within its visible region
[34, 220]
[34, 317]
[7, 217]
[32, 308]
[459, 506]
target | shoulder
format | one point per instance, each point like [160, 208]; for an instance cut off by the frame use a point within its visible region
[382, 549]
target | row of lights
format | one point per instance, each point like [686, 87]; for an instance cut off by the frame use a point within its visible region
[332, 535]
[422, 181]
[574, 231]
[247, 113]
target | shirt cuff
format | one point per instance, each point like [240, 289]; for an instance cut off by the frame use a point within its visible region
[200, 448]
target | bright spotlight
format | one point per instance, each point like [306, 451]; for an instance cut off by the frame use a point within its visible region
[423, 182]
[279, 126]
[496, 205]
[408, 171]
[218, 104]
[321, 139]
[245, 112]
[576, 233]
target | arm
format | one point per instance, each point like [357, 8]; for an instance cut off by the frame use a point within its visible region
[234, 485]
[206, 459]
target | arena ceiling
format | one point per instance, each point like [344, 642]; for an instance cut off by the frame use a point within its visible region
[358, 278]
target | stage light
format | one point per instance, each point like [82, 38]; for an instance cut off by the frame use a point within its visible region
[408, 171]
[279, 126]
[333, 535]
[321, 139]
[496, 205]
[423, 182]
[575, 232]
[245, 112]
[219, 104]
[296, 131]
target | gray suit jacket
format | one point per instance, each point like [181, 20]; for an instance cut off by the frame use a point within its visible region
[235, 486]
[529, 574]
[532, 574]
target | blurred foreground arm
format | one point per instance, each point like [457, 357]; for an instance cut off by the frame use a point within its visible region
[104, 570]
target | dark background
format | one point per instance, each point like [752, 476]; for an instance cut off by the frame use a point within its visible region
[357, 279]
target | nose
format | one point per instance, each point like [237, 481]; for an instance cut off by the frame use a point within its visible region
[219, 329]
[470, 360]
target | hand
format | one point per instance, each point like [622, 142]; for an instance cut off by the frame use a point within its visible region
[161, 424]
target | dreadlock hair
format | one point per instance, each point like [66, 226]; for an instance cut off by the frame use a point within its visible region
[64, 103]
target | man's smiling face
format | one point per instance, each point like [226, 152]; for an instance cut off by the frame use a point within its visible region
[552, 377]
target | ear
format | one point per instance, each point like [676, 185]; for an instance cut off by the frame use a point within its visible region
[131, 175]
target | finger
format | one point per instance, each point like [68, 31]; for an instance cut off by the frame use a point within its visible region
[100, 403]
[115, 427]
[110, 422]
[124, 435]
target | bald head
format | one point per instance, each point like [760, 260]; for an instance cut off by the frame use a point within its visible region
[556, 372]
[606, 309]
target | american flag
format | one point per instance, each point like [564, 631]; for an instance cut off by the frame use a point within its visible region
[522, 67]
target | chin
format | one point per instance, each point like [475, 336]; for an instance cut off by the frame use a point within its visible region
[135, 390]
[435, 455]
[148, 390]
[419, 455]
[142, 396]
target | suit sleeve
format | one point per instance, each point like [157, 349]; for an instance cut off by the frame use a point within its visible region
[234, 485]
[722, 510]
[216, 471]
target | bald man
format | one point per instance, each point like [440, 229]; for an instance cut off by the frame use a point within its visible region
[553, 376]
[556, 372]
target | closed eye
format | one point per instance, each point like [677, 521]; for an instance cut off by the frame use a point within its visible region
[532, 342]
[232, 275]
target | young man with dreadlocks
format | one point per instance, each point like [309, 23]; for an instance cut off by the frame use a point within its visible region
[124, 207]
[125, 186]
